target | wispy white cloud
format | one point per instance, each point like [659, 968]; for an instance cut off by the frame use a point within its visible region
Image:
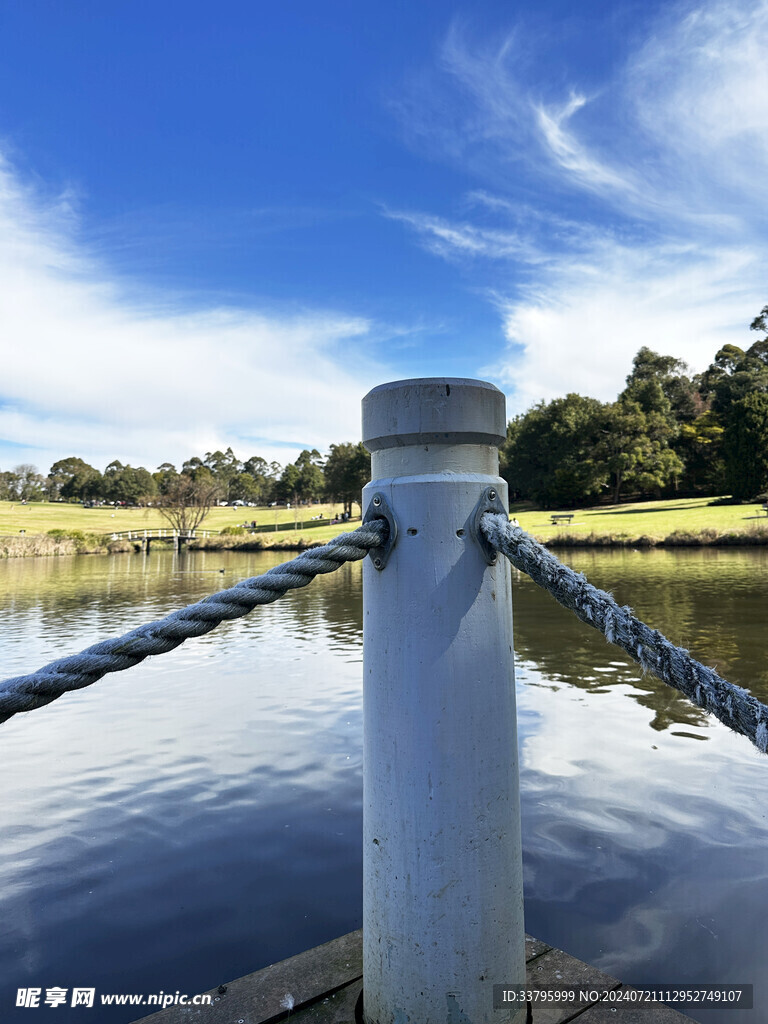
[458, 239]
[635, 210]
[101, 368]
[699, 89]
[574, 157]
[580, 328]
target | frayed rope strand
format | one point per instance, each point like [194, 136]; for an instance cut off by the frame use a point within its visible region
[24, 693]
[732, 705]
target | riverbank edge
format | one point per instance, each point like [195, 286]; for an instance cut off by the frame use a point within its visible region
[44, 545]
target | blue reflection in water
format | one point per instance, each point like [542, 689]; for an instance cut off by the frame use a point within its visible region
[644, 848]
[188, 821]
[199, 816]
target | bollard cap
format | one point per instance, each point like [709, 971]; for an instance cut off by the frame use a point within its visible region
[434, 410]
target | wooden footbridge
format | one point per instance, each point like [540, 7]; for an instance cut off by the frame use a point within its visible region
[176, 537]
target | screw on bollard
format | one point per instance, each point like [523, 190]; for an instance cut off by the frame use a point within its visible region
[442, 864]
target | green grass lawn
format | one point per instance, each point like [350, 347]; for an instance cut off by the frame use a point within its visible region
[42, 516]
[654, 519]
[651, 519]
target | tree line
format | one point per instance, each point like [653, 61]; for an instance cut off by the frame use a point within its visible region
[218, 476]
[668, 432]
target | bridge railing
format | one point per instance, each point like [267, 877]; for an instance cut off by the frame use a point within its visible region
[159, 533]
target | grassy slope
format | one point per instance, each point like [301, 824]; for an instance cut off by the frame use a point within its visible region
[40, 516]
[653, 519]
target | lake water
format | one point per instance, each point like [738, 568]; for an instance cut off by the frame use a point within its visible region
[199, 816]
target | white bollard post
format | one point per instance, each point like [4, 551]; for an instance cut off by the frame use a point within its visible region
[442, 865]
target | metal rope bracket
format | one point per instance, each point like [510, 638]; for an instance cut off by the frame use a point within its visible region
[379, 509]
[489, 502]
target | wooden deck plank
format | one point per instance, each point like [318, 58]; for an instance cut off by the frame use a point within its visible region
[336, 1009]
[556, 968]
[265, 995]
[628, 1014]
[534, 948]
[322, 986]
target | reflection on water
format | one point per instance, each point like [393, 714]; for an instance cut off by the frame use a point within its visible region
[199, 816]
[710, 601]
[645, 847]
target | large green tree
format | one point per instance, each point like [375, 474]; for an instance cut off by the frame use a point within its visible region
[745, 446]
[133, 486]
[549, 454]
[244, 487]
[635, 448]
[8, 485]
[264, 477]
[287, 488]
[303, 479]
[347, 471]
[699, 444]
[28, 485]
[760, 323]
[224, 467]
[165, 477]
[311, 476]
[661, 384]
[734, 374]
[23, 483]
[74, 479]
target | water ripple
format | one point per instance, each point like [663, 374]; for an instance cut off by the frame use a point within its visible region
[200, 816]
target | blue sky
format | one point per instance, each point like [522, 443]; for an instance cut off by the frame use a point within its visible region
[221, 224]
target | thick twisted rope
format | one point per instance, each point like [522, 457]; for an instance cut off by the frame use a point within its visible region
[24, 693]
[734, 706]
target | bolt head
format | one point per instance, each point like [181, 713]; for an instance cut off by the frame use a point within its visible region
[492, 495]
[377, 501]
[377, 562]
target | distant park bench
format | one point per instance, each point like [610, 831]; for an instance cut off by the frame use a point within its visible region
[764, 507]
[557, 517]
